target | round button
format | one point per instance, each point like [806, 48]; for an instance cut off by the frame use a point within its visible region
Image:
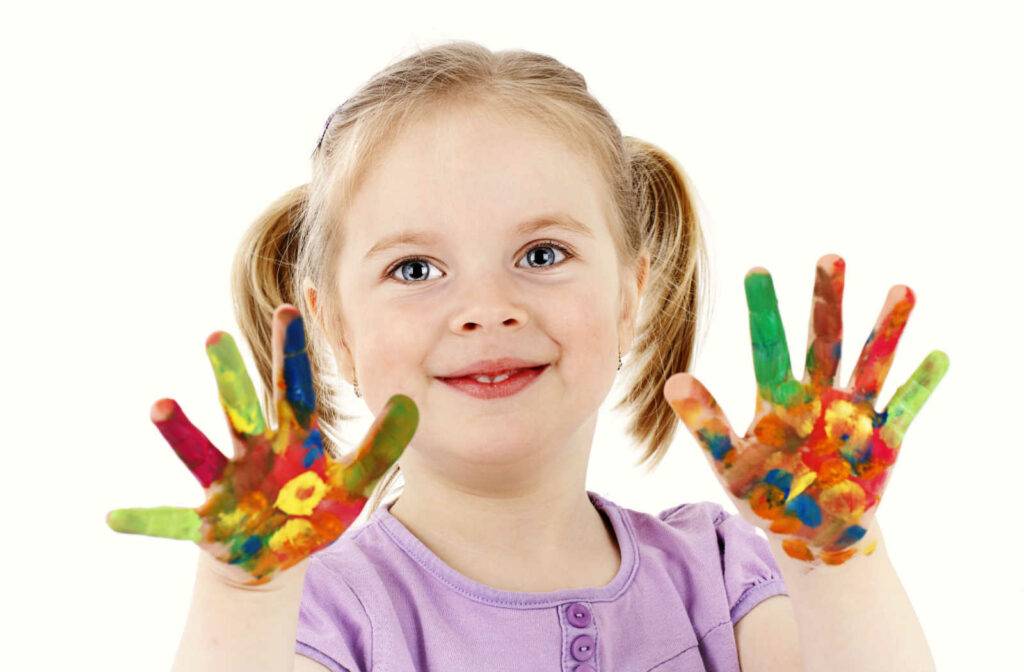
[583, 647]
[579, 615]
[585, 668]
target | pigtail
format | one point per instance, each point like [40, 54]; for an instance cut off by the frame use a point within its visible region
[262, 278]
[667, 319]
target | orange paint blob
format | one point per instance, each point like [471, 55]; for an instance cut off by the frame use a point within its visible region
[767, 501]
[785, 525]
[833, 471]
[772, 431]
[795, 548]
[837, 557]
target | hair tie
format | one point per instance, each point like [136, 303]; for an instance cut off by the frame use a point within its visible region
[326, 124]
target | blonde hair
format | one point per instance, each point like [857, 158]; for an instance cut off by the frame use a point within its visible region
[299, 236]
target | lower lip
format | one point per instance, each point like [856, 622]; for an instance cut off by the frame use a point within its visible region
[505, 388]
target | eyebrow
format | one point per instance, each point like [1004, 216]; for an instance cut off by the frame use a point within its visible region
[558, 220]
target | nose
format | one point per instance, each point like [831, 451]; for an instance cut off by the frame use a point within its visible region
[486, 305]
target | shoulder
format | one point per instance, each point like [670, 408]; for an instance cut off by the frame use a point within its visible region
[765, 629]
[745, 565]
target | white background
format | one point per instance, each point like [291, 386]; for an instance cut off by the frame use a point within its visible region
[138, 142]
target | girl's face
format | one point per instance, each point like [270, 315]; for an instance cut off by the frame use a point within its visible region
[476, 286]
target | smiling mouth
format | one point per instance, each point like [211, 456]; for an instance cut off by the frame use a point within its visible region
[497, 378]
[502, 386]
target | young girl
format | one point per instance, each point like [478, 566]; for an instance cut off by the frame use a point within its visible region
[470, 254]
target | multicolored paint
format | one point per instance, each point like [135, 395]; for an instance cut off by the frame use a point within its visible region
[815, 461]
[282, 497]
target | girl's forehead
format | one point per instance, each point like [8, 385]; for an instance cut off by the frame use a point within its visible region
[470, 142]
[476, 167]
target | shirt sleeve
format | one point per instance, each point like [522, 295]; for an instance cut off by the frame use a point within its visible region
[333, 629]
[748, 566]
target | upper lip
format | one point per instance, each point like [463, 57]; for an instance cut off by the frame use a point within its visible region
[490, 367]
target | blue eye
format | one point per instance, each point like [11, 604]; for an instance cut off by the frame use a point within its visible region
[411, 261]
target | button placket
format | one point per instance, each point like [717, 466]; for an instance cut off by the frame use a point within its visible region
[579, 638]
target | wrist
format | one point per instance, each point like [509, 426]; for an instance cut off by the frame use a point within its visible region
[212, 570]
[791, 554]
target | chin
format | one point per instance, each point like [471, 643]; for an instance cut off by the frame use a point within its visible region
[499, 446]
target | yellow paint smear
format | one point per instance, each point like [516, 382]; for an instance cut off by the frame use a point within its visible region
[300, 495]
[801, 484]
[291, 533]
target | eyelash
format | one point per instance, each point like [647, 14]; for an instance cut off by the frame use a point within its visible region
[544, 243]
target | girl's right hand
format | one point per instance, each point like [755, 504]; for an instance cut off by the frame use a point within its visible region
[282, 497]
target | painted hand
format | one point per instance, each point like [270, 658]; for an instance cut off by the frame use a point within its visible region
[816, 458]
[282, 497]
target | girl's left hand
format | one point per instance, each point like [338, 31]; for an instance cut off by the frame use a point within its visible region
[815, 461]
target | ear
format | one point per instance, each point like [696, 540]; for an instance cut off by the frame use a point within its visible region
[342, 355]
[631, 301]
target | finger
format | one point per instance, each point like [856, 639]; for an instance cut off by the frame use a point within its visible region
[282, 316]
[293, 376]
[767, 338]
[825, 337]
[910, 397]
[702, 416]
[237, 395]
[162, 521]
[384, 443]
[876, 356]
[739, 463]
[197, 452]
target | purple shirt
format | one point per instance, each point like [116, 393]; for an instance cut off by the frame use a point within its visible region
[378, 599]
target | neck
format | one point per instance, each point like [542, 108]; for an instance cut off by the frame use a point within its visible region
[529, 536]
[540, 545]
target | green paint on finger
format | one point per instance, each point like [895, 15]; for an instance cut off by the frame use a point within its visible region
[238, 396]
[389, 435]
[911, 396]
[162, 521]
[789, 393]
[767, 338]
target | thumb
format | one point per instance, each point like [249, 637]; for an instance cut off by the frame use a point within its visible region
[703, 417]
[739, 463]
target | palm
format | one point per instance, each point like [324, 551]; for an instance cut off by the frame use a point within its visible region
[815, 461]
[282, 497]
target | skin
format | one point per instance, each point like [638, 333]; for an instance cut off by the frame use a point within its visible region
[502, 498]
[281, 498]
[814, 463]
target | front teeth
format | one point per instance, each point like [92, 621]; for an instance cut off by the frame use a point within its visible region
[486, 379]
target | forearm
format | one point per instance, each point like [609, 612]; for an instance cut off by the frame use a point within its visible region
[232, 627]
[855, 616]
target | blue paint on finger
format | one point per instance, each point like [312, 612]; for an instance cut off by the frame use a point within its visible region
[716, 444]
[298, 376]
[314, 446]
